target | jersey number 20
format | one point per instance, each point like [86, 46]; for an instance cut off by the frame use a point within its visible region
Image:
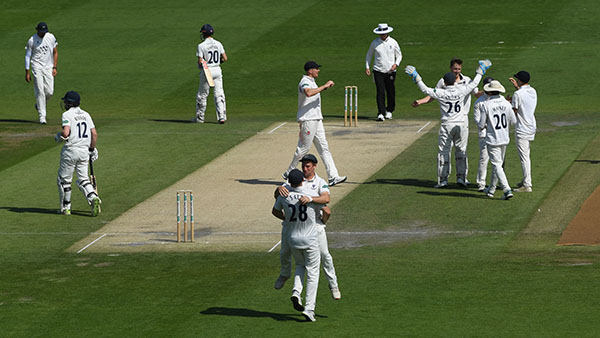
[213, 56]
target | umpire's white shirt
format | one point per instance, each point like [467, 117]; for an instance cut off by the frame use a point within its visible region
[524, 101]
[496, 116]
[210, 50]
[41, 51]
[309, 108]
[387, 53]
[80, 123]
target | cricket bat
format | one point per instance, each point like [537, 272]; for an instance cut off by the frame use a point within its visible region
[93, 179]
[207, 73]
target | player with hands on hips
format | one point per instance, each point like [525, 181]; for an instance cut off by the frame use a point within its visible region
[454, 124]
[80, 137]
[211, 52]
[41, 61]
[310, 121]
[496, 116]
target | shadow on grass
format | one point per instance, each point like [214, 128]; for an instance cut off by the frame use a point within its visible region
[19, 121]
[404, 181]
[256, 181]
[450, 193]
[180, 121]
[589, 161]
[226, 311]
[34, 210]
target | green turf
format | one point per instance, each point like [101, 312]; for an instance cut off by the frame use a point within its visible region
[134, 65]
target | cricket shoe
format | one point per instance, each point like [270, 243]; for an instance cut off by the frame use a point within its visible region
[388, 115]
[380, 117]
[66, 212]
[337, 180]
[309, 315]
[489, 192]
[507, 195]
[442, 184]
[462, 182]
[336, 294]
[481, 188]
[297, 303]
[197, 120]
[520, 184]
[280, 282]
[524, 189]
[96, 206]
[221, 121]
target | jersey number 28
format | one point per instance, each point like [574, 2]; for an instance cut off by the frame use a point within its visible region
[302, 215]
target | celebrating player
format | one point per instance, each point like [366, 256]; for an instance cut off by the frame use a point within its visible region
[483, 153]
[212, 52]
[454, 126]
[79, 134]
[41, 56]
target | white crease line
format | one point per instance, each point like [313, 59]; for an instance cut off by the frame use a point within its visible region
[274, 246]
[279, 126]
[96, 240]
[423, 127]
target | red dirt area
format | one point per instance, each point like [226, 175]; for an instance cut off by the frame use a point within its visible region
[584, 228]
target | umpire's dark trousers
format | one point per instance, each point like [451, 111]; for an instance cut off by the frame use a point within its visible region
[384, 82]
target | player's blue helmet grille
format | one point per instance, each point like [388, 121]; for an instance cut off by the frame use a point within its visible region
[71, 98]
[207, 30]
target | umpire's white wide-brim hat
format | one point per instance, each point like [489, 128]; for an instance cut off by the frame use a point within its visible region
[383, 28]
[494, 86]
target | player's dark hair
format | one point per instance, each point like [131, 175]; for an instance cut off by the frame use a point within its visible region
[455, 61]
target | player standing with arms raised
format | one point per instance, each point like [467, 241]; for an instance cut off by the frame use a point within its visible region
[524, 101]
[387, 55]
[41, 61]
[212, 52]
[310, 120]
[79, 134]
[454, 126]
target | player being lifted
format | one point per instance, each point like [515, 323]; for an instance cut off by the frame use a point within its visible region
[454, 124]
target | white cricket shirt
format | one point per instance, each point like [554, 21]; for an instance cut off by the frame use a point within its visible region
[210, 50]
[496, 116]
[524, 101]
[80, 123]
[387, 53]
[464, 80]
[300, 220]
[477, 114]
[309, 108]
[41, 50]
[451, 99]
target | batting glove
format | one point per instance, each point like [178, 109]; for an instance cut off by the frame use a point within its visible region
[412, 72]
[484, 65]
[93, 154]
[59, 138]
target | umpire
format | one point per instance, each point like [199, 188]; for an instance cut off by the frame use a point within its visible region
[387, 58]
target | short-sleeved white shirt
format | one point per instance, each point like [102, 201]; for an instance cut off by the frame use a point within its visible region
[477, 114]
[210, 50]
[387, 53]
[309, 108]
[452, 99]
[497, 116]
[300, 220]
[524, 101]
[81, 125]
[42, 51]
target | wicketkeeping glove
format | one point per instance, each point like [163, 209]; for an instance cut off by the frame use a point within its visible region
[94, 154]
[484, 65]
[412, 72]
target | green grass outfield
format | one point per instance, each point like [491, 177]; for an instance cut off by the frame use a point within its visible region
[134, 65]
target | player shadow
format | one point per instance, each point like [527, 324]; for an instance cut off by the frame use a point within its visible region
[240, 312]
[589, 161]
[34, 210]
[19, 121]
[413, 182]
[257, 181]
[181, 121]
[445, 192]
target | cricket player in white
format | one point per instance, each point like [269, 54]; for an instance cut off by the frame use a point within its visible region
[310, 120]
[318, 192]
[41, 60]
[524, 101]
[463, 107]
[454, 124]
[211, 51]
[79, 134]
[483, 153]
[388, 56]
[496, 116]
[301, 232]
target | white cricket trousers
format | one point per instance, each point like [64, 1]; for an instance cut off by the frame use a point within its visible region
[285, 256]
[523, 148]
[311, 132]
[218, 94]
[74, 159]
[496, 154]
[483, 162]
[449, 134]
[43, 88]
[307, 261]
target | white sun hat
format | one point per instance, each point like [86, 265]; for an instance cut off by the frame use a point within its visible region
[494, 86]
[383, 28]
